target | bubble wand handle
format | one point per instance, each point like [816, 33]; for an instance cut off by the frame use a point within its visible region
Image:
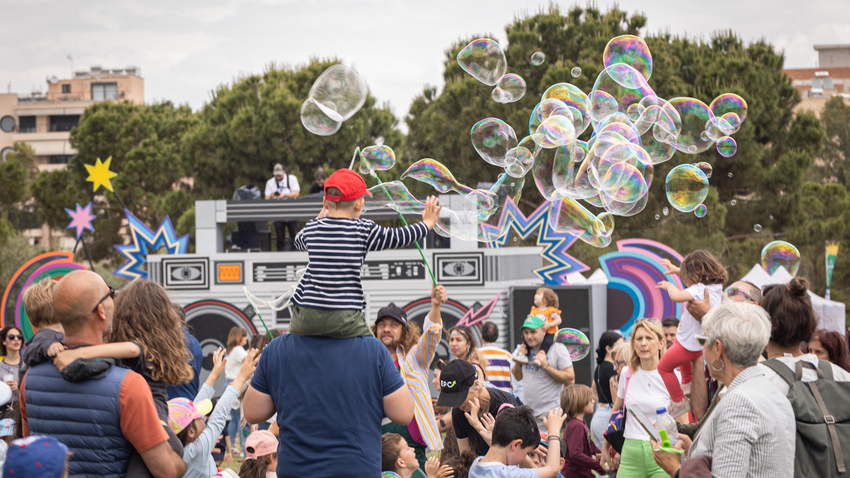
[257, 311]
[405, 223]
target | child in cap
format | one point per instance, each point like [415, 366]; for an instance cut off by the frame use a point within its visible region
[37, 456]
[47, 342]
[261, 459]
[329, 299]
[186, 417]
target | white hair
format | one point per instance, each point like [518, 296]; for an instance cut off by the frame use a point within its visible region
[743, 329]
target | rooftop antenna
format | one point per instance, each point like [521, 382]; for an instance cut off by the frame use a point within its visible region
[71, 59]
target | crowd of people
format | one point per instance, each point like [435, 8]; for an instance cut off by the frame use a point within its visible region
[743, 384]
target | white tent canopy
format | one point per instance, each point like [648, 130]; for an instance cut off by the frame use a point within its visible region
[830, 313]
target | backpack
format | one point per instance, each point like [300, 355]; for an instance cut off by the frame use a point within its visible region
[617, 420]
[823, 419]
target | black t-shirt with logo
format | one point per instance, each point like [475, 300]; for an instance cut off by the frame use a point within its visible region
[463, 429]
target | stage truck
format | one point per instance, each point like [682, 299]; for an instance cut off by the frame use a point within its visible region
[495, 284]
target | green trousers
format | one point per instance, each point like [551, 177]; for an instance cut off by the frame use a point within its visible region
[637, 461]
[339, 324]
[405, 433]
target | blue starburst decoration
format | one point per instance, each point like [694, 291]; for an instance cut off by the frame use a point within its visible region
[144, 241]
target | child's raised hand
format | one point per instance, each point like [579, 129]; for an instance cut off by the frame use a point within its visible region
[431, 213]
[664, 285]
[671, 269]
[523, 349]
[432, 467]
[554, 421]
[219, 361]
[249, 365]
[55, 349]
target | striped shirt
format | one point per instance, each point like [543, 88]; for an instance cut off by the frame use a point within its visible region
[414, 371]
[337, 248]
[498, 368]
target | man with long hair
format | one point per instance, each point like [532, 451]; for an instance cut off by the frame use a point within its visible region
[412, 353]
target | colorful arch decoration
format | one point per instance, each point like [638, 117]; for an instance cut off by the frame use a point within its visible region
[50, 264]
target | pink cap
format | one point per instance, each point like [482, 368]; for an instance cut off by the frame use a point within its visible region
[182, 411]
[260, 443]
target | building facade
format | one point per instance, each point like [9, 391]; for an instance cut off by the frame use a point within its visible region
[830, 78]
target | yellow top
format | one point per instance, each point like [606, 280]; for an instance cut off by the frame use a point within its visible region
[547, 314]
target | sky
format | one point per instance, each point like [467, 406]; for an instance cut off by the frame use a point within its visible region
[186, 48]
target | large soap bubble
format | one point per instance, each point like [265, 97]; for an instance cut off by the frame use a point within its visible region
[780, 254]
[335, 96]
[484, 59]
[319, 119]
[687, 187]
[509, 89]
[569, 216]
[572, 97]
[436, 174]
[576, 342]
[376, 158]
[630, 50]
[493, 138]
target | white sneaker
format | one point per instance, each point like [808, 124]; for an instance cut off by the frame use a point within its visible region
[679, 408]
[520, 358]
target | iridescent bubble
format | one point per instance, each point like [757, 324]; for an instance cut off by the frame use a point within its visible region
[493, 138]
[575, 72]
[575, 341]
[572, 97]
[730, 175]
[484, 59]
[621, 82]
[537, 58]
[509, 89]
[694, 115]
[630, 50]
[657, 217]
[376, 158]
[705, 168]
[433, 172]
[686, 186]
[727, 147]
[700, 210]
[557, 130]
[319, 119]
[734, 202]
[340, 89]
[757, 227]
[771, 217]
[395, 195]
[730, 103]
[520, 160]
[569, 216]
[483, 226]
[545, 109]
[602, 105]
[780, 254]
[665, 211]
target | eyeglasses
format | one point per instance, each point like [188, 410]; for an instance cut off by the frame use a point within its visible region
[111, 293]
[701, 340]
[649, 320]
[14, 337]
[620, 363]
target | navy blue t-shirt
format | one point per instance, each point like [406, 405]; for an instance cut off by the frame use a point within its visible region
[329, 397]
[189, 389]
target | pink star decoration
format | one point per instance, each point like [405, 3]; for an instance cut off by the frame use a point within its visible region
[81, 219]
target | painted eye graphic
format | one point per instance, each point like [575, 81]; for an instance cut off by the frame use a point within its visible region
[458, 268]
[185, 273]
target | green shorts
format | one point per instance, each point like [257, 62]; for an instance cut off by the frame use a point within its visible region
[339, 324]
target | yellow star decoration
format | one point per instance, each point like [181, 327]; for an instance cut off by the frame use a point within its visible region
[100, 174]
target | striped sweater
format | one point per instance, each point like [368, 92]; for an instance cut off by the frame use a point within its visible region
[337, 248]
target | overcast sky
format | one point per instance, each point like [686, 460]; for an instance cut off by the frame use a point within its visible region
[185, 48]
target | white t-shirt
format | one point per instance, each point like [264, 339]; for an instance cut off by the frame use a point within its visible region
[809, 375]
[234, 362]
[688, 325]
[492, 469]
[273, 185]
[646, 392]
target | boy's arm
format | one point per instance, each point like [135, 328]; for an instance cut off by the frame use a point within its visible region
[381, 238]
[553, 457]
[119, 350]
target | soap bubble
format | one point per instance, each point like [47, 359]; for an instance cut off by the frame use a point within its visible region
[727, 147]
[376, 158]
[700, 210]
[630, 50]
[537, 58]
[319, 119]
[730, 103]
[557, 130]
[340, 89]
[573, 98]
[665, 211]
[435, 174]
[602, 104]
[734, 202]
[730, 175]
[694, 115]
[484, 59]
[493, 138]
[757, 227]
[575, 72]
[771, 217]
[509, 89]
[546, 108]
[780, 253]
[567, 215]
[395, 195]
[520, 160]
[622, 83]
[575, 341]
[657, 217]
[705, 168]
[687, 187]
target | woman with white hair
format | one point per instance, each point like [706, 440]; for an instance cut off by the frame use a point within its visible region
[751, 430]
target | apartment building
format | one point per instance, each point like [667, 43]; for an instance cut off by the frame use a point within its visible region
[831, 77]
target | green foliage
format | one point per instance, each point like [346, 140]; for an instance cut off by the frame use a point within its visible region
[14, 253]
[834, 162]
[254, 123]
[186, 225]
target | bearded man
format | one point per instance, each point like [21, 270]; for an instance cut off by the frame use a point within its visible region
[412, 353]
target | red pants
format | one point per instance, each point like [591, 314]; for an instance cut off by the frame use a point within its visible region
[677, 356]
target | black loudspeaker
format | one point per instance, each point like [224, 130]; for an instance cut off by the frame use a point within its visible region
[576, 308]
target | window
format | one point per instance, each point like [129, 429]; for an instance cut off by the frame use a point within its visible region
[60, 158]
[64, 122]
[66, 89]
[816, 83]
[27, 124]
[104, 91]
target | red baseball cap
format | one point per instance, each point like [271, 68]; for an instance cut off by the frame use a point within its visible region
[349, 183]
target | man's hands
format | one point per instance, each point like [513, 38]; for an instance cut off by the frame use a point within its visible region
[671, 269]
[439, 295]
[434, 470]
[431, 212]
[554, 421]
[541, 357]
[698, 308]
[669, 462]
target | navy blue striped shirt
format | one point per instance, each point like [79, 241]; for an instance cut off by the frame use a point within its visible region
[336, 248]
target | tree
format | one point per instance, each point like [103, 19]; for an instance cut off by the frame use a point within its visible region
[775, 146]
[834, 162]
[255, 122]
[15, 175]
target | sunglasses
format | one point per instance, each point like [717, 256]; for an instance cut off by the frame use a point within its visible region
[701, 340]
[111, 293]
[739, 291]
[14, 337]
[649, 320]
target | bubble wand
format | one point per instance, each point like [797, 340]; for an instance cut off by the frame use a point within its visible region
[400, 215]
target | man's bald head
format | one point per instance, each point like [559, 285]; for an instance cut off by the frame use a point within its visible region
[74, 297]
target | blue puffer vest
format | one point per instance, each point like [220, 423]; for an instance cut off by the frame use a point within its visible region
[84, 416]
